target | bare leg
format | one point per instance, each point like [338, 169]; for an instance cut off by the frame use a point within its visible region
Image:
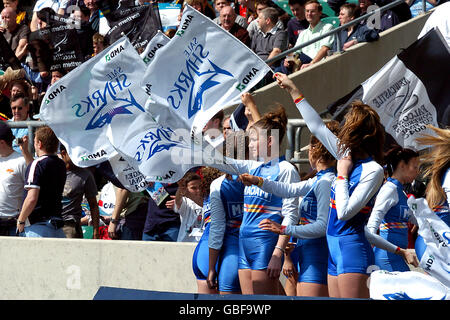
[262, 284]
[291, 285]
[245, 280]
[305, 289]
[333, 287]
[353, 285]
[202, 287]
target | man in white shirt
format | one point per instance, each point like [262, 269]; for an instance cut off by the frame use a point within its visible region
[12, 181]
[318, 50]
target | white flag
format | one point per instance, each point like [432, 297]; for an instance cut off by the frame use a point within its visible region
[409, 285]
[162, 147]
[200, 71]
[409, 92]
[158, 41]
[81, 105]
[436, 235]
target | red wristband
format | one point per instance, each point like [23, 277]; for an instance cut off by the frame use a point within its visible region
[300, 98]
[282, 229]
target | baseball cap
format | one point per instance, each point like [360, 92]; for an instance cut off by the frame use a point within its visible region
[5, 132]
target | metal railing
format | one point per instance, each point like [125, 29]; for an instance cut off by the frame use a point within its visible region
[293, 134]
[31, 125]
[336, 30]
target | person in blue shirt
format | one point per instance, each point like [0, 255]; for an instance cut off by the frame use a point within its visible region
[358, 148]
[200, 259]
[391, 214]
[354, 34]
[261, 251]
[311, 245]
[227, 205]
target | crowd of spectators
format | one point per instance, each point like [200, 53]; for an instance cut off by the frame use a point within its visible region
[262, 25]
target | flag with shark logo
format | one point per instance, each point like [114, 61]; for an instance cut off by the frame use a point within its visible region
[409, 92]
[156, 43]
[200, 71]
[81, 105]
[189, 80]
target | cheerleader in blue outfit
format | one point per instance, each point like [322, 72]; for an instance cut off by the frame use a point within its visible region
[391, 214]
[358, 149]
[200, 259]
[311, 244]
[438, 170]
[261, 251]
[227, 205]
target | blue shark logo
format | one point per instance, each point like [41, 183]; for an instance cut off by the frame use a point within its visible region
[194, 82]
[401, 296]
[158, 140]
[196, 100]
[104, 115]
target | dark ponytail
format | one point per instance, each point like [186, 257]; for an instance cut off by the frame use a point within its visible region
[393, 157]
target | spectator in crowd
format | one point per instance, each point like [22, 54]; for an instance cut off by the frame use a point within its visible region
[227, 21]
[388, 18]
[21, 15]
[212, 131]
[188, 202]
[94, 14]
[260, 5]
[79, 182]
[318, 50]
[20, 105]
[58, 6]
[298, 23]
[12, 181]
[402, 10]
[247, 9]
[98, 42]
[15, 34]
[219, 4]
[161, 223]
[128, 218]
[57, 74]
[269, 41]
[40, 215]
[203, 6]
[354, 34]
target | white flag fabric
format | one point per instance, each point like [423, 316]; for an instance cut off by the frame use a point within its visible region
[129, 177]
[409, 285]
[200, 71]
[81, 105]
[410, 92]
[436, 235]
[158, 41]
[161, 147]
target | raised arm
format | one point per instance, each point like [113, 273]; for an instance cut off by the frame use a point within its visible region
[280, 189]
[313, 121]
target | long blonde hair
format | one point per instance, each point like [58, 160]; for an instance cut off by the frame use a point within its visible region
[437, 161]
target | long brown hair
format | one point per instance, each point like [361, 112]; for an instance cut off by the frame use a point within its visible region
[209, 174]
[437, 161]
[362, 132]
[318, 150]
[273, 120]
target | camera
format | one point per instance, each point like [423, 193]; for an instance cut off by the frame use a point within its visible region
[19, 140]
